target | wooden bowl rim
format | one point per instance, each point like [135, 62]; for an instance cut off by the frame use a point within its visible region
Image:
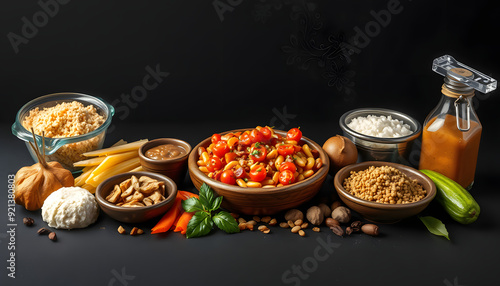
[193, 168]
[344, 172]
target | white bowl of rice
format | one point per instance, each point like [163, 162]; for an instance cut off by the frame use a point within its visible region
[72, 124]
[382, 134]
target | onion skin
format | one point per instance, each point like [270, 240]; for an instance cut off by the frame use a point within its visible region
[342, 152]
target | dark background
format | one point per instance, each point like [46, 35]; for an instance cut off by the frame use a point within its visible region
[257, 62]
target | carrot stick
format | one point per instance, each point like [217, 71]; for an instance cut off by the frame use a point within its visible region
[174, 225]
[188, 195]
[168, 219]
[185, 217]
[183, 221]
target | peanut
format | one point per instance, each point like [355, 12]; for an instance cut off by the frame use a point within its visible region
[121, 230]
[242, 226]
[273, 222]
[266, 219]
[264, 229]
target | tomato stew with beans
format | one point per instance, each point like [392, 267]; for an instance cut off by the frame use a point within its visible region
[259, 158]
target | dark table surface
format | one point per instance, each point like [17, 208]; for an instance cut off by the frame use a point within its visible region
[404, 254]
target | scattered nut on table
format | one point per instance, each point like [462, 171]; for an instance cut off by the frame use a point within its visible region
[53, 236]
[325, 210]
[315, 215]
[335, 205]
[43, 231]
[370, 229]
[342, 214]
[121, 230]
[293, 215]
[136, 231]
[28, 221]
[331, 222]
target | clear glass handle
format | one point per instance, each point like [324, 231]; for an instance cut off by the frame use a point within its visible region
[462, 110]
[478, 81]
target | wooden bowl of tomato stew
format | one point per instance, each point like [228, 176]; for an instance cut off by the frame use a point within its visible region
[261, 201]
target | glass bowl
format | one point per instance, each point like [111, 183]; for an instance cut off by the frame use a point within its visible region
[370, 148]
[65, 150]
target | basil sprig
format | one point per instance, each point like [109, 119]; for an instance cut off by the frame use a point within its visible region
[206, 214]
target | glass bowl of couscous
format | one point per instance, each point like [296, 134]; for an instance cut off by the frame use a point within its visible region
[71, 124]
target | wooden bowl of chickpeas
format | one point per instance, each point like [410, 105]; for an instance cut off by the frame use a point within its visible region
[384, 192]
[261, 199]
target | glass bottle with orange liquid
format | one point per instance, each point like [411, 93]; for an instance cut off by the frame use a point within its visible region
[452, 131]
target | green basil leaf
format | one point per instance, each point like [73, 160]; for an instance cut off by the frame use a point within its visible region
[435, 226]
[206, 196]
[226, 222]
[216, 203]
[200, 225]
[192, 205]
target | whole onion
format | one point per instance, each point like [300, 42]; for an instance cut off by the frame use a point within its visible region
[342, 152]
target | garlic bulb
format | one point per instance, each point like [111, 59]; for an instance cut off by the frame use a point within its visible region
[35, 183]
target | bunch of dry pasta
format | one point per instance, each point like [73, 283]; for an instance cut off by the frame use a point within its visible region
[120, 158]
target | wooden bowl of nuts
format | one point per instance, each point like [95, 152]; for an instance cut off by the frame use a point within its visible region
[136, 196]
[384, 192]
[261, 200]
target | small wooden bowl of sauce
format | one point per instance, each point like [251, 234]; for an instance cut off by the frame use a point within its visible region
[165, 152]
[167, 156]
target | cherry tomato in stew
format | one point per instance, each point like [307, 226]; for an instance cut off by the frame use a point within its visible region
[258, 152]
[245, 139]
[288, 166]
[220, 148]
[286, 149]
[216, 138]
[286, 177]
[256, 136]
[258, 173]
[266, 133]
[228, 177]
[214, 163]
[294, 134]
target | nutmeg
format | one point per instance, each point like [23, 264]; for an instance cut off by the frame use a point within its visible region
[342, 214]
[293, 215]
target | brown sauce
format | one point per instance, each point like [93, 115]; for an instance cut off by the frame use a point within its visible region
[165, 152]
[450, 151]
